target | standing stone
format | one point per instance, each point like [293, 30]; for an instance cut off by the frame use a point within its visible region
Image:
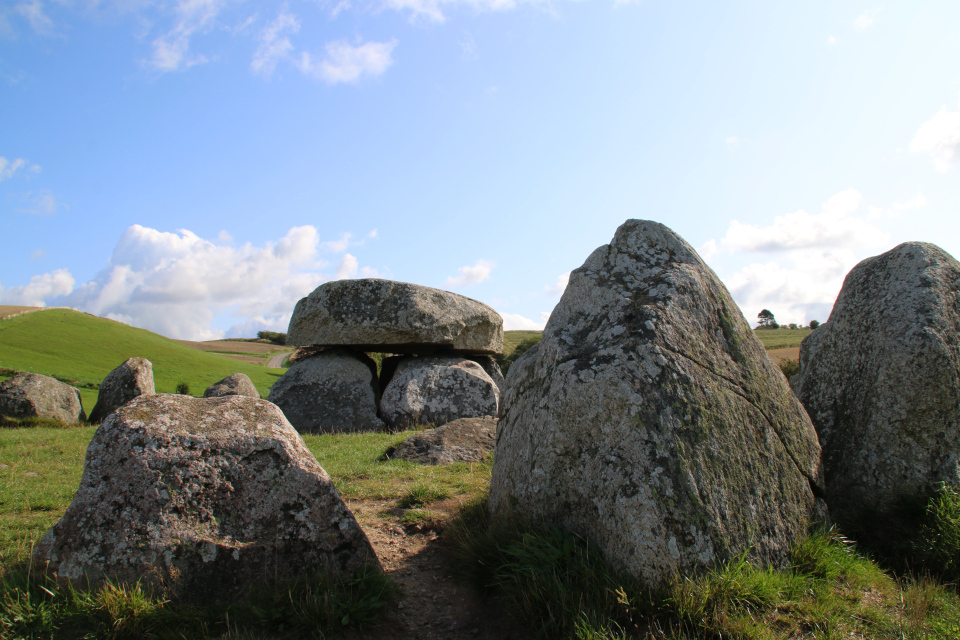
[201, 499]
[131, 379]
[238, 384]
[335, 391]
[434, 390]
[31, 395]
[463, 440]
[881, 381]
[394, 317]
[650, 421]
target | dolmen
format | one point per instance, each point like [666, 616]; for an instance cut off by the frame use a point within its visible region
[650, 421]
[200, 499]
[32, 395]
[436, 349]
[881, 382]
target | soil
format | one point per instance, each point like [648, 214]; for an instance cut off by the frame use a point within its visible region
[239, 346]
[8, 311]
[790, 353]
[434, 605]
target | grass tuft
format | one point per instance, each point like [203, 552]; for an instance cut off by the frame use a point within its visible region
[422, 494]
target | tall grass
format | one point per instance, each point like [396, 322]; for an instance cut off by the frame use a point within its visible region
[558, 586]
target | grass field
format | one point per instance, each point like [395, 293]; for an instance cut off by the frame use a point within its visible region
[85, 348]
[782, 338]
[512, 338]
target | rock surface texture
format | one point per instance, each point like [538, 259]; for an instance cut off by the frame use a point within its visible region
[463, 440]
[29, 395]
[131, 379]
[881, 381]
[394, 317]
[201, 499]
[238, 384]
[650, 421]
[435, 390]
[334, 391]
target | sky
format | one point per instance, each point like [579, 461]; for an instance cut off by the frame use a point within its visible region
[194, 167]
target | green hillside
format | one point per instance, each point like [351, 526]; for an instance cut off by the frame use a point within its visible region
[71, 344]
[782, 338]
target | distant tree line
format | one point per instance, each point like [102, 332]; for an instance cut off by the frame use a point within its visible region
[766, 320]
[273, 336]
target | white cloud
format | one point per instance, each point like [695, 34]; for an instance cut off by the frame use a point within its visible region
[180, 285]
[866, 19]
[343, 62]
[801, 230]
[516, 322]
[431, 9]
[38, 254]
[36, 292]
[348, 267]
[832, 40]
[476, 274]
[10, 167]
[275, 44]
[340, 245]
[33, 13]
[940, 137]
[810, 256]
[42, 203]
[372, 234]
[560, 286]
[170, 51]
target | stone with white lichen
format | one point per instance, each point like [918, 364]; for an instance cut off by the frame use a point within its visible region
[650, 421]
[201, 499]
[881, 382]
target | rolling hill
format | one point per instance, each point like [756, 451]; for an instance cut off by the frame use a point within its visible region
[84, 348]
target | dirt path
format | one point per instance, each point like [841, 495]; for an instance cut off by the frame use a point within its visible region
[277, 361]
[790, 353]
[434, 606]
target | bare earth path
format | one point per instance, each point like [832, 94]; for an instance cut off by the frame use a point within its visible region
[434, 606]
[8, 311]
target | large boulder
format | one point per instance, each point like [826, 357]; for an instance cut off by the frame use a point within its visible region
[130, 380]
[492, 368]
[31, 395]
[650, 421]
[434, 390]
[201, 499]
[394, 317]
[463, 440]
[238, 384]
[334, 391]
[881, 381]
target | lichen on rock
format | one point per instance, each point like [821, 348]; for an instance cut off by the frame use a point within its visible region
[201, 499]
[650, 421]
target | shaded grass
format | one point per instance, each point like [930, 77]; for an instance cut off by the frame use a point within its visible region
[69, 344]
[512, 338]
[558, 586]
[315, 605]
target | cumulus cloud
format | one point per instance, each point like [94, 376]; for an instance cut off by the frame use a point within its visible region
[516, 322]
[171, 50]
[275, 44]
[178, 284]
[940, 137]
[10, 167]
[36, 292]
[560, 286]
[339, 245]
[348, 267]
[475, 274]
[808, 255]
[343, 62]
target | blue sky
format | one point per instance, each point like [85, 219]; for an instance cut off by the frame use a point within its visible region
[194, 167]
